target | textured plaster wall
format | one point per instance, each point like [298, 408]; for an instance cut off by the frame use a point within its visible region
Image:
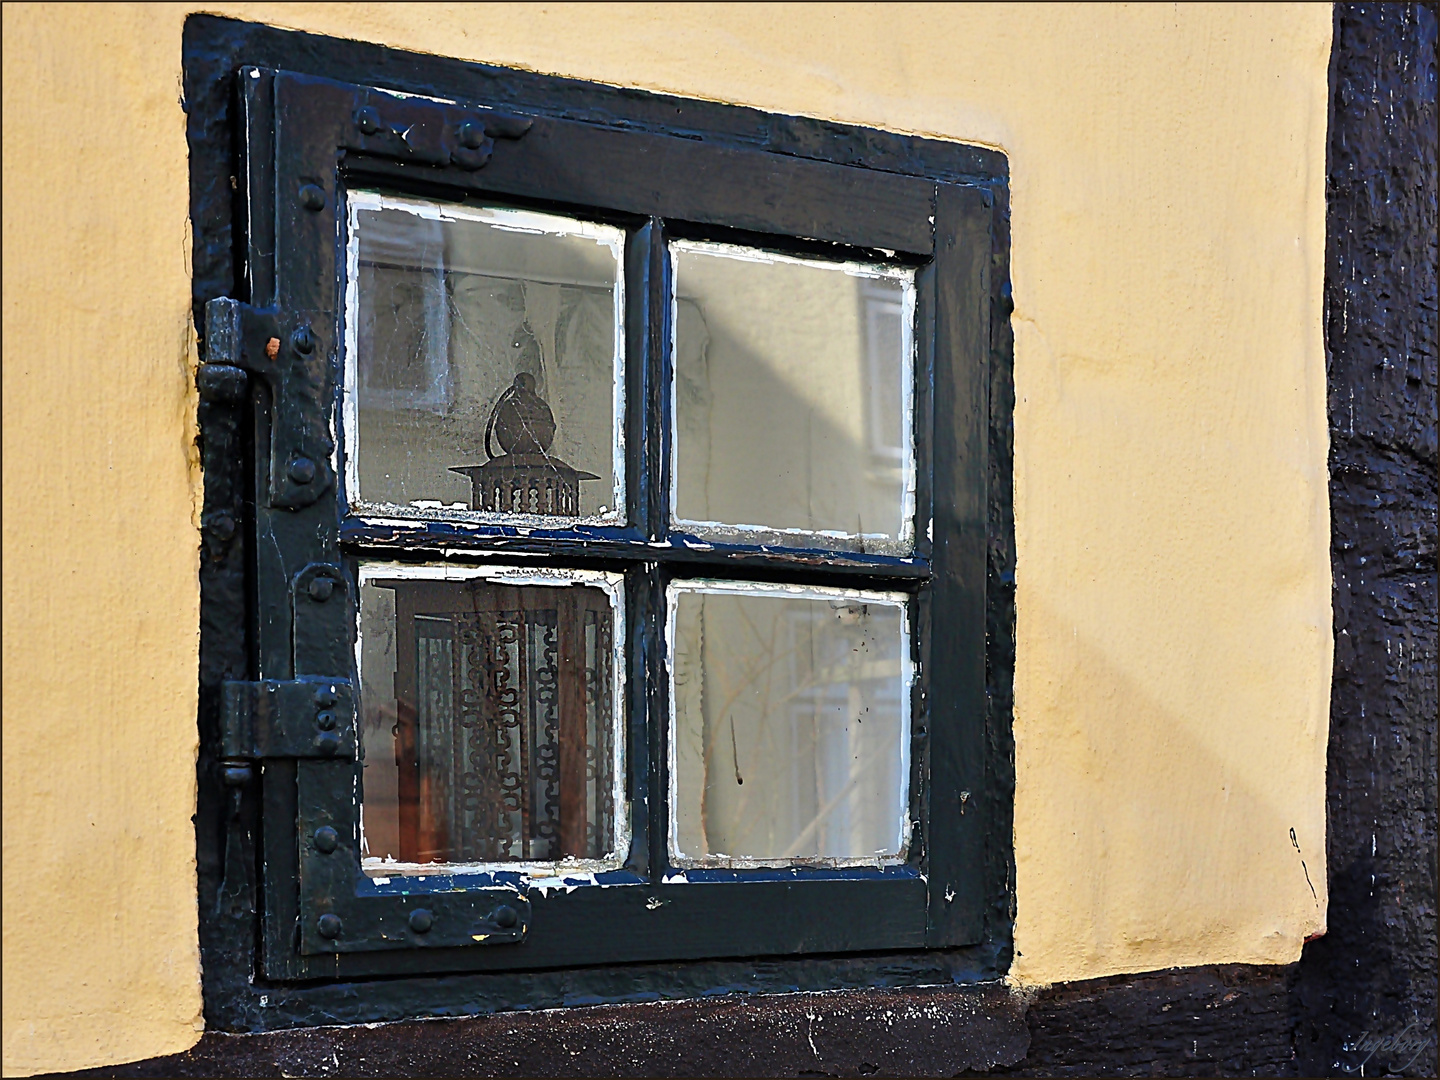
[1174, 643]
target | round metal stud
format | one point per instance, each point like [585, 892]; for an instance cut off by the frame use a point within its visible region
[320, 589]
[326, 839]
[472, 135]
[221, 526]
[367, 120]
[312, 197]
[328, 743]
[325, 697]
[303, 340]
[302, 470]
[325, 721]
[330, 926]
[505, 916]
[421, 920]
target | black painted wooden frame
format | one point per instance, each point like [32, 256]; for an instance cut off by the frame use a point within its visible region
[308, 120]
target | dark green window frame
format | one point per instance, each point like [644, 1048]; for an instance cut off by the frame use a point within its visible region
[296, 120]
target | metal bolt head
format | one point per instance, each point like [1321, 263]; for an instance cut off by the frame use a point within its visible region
[421, 920]
[302, 470]
[303, 340]
[312, 197]
[236, 775]
[326, 839]
[472, 135]
[505, 916]
[325, 697]
[221, 526]
[320, 589]
[330, 926]
[367, 120]
[325, 720]
[328, 743]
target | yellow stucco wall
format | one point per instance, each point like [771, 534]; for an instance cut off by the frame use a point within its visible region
[1172, 682]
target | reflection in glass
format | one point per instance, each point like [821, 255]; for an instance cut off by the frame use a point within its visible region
[793, 401]
[488, 712]
[483, 361]
[791, 730]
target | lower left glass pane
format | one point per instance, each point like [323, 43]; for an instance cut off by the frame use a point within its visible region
[490, 703]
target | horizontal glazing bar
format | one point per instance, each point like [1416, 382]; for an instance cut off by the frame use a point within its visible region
[585, 546]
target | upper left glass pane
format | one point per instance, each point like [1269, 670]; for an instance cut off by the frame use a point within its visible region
[484, 364]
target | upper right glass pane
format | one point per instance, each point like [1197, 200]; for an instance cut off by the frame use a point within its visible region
[794, 402]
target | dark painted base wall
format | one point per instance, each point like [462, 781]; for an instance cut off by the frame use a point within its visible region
[1375, 972]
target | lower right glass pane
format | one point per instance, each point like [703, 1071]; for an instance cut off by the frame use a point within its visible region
[790, 729]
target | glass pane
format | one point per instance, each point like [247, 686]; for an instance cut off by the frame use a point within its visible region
[793, 391]
[791, 729]
[483, 372]
[489, 717]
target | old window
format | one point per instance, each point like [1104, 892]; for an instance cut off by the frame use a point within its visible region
[616, 539]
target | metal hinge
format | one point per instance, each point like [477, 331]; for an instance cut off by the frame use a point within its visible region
[289, 351]
[301, 718]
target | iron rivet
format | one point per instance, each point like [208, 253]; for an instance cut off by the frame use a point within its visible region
[367, 120]
[505, 916]
[324, 697]
[472, 135]
[328, 743]
[222, 526]
[312, 197]
[421, 920]
[330, 926]
[326, 721]
[302, 470]
[303, 340]
[326, 839]
[320, 590]
[236, 775]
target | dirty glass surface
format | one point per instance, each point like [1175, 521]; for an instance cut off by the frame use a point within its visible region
[483, 362]
[791, 725]
[488, 714]
[793, 399]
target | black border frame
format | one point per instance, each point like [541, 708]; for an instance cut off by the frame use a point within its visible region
[972, 560]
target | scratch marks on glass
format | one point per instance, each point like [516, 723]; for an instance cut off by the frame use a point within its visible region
[790, 732]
